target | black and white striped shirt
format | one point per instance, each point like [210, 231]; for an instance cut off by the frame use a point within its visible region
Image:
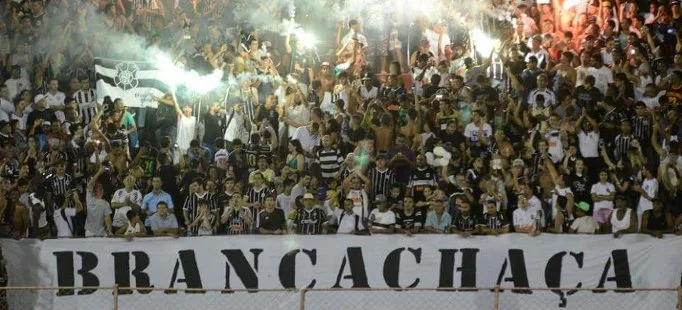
[329, 161]
[641, 128]
[236, 225]
[87, 104]
[381, 182]
[621, 146]
[494, 222]
[254, 195]
[309, 222]
[191, 206]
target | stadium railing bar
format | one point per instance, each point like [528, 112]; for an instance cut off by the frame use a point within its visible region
[493, 298]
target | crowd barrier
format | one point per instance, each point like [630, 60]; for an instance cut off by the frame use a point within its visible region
[493, 298]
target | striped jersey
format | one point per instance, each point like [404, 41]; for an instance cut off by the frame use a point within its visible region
[254, 195]
[494, 221]
[621, 146]
[641, 128]
[309, 222]
[87, 104]
[381, 182]
[191, 206]
[409, 221]
[236, 225]
[329, 161]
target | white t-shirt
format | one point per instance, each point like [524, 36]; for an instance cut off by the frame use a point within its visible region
[602, 76]
[186, 132]
[585, 225]
[120, 195]
[63, 229]
[381, 220]
[56, 100]
[588, 144]
[471, 131]
[556, 147]
[555, 196]
[603, 189]
[523, 217]
[651, 189]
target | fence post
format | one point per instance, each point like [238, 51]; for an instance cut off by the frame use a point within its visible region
[116, 297]
[496, 298]
[679, 297]
[302, 306]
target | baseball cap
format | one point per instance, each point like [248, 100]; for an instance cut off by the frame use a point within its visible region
[38, 98]
[308, 196]
[583, 206]
[518, 162]
[47, 123]
[325, 64]
[380, 198]
[491, 201]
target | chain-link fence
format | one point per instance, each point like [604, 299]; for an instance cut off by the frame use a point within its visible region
[355, 299]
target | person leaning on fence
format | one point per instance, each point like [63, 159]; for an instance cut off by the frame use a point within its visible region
[657, 221]
[271, 220]
[310, 219]
[63, 217]
[583, 223]
[134, 227]
[623, 219]
[493, 222]
[382, 219]
[437, 221]
[162, 222]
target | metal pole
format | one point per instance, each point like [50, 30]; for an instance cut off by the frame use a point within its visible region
[679, 297]
[496, 298]
[302, 306]
[116, 297]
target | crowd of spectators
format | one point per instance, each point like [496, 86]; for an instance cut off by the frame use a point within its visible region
[570, 125]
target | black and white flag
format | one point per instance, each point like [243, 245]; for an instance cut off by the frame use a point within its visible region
[135, 82]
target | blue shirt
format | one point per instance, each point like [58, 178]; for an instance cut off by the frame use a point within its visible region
[163, 222]
[152, 199]
[442, 225]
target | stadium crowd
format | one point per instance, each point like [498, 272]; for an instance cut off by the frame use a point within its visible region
[570, 125]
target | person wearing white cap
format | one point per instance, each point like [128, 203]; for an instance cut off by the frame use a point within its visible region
[37, 117]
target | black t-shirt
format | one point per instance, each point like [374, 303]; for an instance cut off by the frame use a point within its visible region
[484, 94]
[404, 221]
[271, 221]
[587, 98]
[270, 116]
[580, 186]
[463, 223]
[213, 125]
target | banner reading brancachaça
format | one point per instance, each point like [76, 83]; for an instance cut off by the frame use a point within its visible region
[277, 262]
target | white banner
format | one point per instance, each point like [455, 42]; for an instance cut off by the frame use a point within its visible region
[133, 81]
[323, 262]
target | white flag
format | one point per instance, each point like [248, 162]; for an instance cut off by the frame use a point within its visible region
[133, 81]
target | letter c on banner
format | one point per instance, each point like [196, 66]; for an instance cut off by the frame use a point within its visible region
[287, 268]
[392, 266]
[553, 274]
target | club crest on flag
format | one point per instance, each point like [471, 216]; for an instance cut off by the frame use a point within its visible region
[126, 75]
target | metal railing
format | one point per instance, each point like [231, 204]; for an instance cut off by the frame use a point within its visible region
[493, 298]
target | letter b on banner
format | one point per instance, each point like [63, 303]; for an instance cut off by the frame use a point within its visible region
[65, 272]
